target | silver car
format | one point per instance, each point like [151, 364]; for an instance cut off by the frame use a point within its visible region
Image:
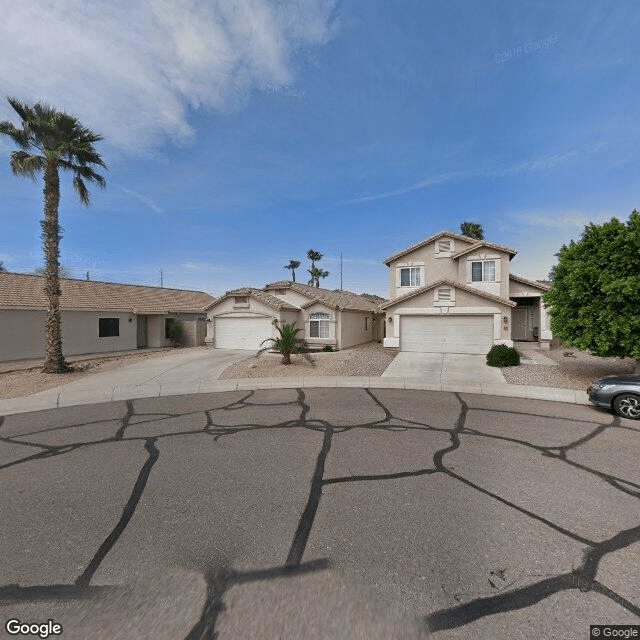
[620, 393]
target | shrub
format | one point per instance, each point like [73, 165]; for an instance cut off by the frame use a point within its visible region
[327, 348]
[503, 356]
[175, 333]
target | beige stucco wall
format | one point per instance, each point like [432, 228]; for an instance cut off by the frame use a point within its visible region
[498, 288]
[22, 334]
[435, 265]
[352, 328]
[334, 326]
[229, 309]
[464, 302]
[521, 290]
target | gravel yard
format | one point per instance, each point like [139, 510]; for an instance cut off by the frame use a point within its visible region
[17, 381]
[369, 359]
[571, 372]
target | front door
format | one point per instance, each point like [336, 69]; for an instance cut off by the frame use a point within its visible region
[519, 320]
[142, 331]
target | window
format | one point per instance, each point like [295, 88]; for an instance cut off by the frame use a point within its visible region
[319, 325]
[108, 327]
[366, 323]
[410, 277]
[167, 327]
[483, 271]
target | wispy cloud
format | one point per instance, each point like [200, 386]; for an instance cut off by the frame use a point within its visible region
[193, 265]
[144, 199]
[131, 70]
[505, 170]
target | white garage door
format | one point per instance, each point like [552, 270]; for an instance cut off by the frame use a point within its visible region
[446, 334]
[241, 333]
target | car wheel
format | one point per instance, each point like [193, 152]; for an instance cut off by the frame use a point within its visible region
[627, 405]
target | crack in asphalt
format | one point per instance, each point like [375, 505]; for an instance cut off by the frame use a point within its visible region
[582, 578]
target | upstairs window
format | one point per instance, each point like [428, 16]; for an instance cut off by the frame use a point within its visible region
[410, 277]
[483, 271]
[108, 327]
[319, 325]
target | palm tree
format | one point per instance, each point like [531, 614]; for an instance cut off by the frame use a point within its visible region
[472, 230]
[293, 265]
[287, 344]
[50, 140]
[314, 256]
[316, 274]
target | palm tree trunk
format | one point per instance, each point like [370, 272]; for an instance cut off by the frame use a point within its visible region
[293, 273]
[54, 359]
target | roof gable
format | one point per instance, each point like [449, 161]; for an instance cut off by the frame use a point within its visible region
[257, 294]
[543, 286]
[340, 299]
[473, 242]
[450, 283]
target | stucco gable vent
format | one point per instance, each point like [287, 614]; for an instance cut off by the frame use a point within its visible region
[444, 294]
[444, 246]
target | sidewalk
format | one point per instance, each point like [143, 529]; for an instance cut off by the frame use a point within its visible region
[91, 391]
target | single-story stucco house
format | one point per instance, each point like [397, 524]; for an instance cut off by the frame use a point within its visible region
[244, 318]
[97, 317]
[455, 294]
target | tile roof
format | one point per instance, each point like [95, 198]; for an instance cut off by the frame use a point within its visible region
[258, 294]
[449, 234]
[339, 299]
[538, 284]
[482, 243]
[451, 283]
[27, 291]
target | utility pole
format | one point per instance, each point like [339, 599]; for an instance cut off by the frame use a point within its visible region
[341, 271]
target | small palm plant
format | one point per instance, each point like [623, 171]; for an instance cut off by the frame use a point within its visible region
[287, 344]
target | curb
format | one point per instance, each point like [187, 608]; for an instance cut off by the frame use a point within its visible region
[56, 398]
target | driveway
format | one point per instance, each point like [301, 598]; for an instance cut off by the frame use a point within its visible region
[182, 371]
[448, 368]
[320, 513]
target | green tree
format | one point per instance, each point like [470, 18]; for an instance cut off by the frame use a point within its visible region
[472, 230]
[293, 265]
[594, 300]
[287, 343]
[2, 267]
[315, 272]
[49, 141]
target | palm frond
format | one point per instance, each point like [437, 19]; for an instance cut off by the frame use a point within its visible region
[19, 136]
[81, 190]
[26, 164]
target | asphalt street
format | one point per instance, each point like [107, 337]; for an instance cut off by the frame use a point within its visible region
[320, 513]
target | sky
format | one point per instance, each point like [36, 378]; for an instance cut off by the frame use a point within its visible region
[239, 134]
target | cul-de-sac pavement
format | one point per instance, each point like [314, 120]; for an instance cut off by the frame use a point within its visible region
[321, 513]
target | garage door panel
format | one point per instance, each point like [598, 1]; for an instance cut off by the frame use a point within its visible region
[446, 334]
[241, 333]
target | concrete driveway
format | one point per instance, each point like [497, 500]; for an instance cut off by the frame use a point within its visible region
[348, 514]
[449, 368]
[182, 371]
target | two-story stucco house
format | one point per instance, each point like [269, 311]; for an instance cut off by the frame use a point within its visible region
[454, 294]
[244, 318]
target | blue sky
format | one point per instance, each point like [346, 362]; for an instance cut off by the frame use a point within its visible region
[240, 133]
